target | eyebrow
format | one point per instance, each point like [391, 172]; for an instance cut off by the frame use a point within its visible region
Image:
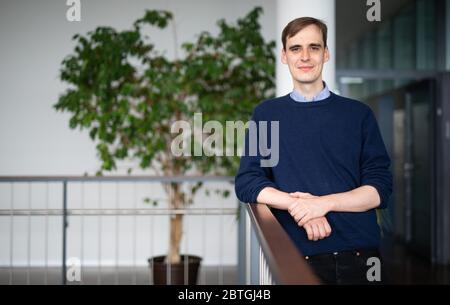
[311, 45]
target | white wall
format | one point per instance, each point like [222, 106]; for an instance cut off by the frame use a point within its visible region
[288, 10]
[35, 140]
[35, 37]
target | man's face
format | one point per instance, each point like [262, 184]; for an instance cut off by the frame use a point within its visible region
[305, 55]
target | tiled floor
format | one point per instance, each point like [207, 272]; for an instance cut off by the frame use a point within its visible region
[110, 276]
[402, 267]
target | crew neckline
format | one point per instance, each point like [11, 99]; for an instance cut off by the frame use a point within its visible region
[323, 102]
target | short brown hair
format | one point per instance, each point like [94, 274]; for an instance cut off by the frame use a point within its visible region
[299, 24]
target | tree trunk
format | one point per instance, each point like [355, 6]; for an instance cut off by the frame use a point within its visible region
[176, 224]
[176, 232]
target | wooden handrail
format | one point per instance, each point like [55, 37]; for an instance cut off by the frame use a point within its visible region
[286, 263]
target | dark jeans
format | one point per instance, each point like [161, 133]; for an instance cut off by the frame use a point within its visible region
[348, 267]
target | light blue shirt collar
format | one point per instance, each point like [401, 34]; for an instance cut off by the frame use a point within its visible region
[298, 97]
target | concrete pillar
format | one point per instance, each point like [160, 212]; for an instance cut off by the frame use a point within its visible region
[288, 10]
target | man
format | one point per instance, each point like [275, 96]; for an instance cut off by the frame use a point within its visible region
[333, 168]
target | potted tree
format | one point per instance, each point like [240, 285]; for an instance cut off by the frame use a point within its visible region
[128, 95]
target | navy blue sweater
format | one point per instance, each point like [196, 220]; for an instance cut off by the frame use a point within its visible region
[325, 147]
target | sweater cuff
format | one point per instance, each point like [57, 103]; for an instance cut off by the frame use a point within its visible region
[383, 195]
[259, 188]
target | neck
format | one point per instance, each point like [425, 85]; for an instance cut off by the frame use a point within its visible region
[309, 90]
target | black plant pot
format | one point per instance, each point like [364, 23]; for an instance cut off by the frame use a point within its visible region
[189, 265]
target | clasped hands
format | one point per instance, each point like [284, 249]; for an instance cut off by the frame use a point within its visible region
[309, 212]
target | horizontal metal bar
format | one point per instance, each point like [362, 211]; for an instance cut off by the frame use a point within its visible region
[166, 179]
[107, 212]
[385, 74]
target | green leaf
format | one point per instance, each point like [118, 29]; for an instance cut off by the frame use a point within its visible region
[93, 133]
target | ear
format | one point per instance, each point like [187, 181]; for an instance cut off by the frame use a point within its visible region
[326, 55]
[283, 56]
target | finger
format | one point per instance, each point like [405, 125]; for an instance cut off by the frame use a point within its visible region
[294, 210]
[299, 216]
[304, 219]
[309, 231]
[307, 195]
[292, 207]
[327, 227]
[299, 209]
[295, 193]
[321, 228]
[315, 232]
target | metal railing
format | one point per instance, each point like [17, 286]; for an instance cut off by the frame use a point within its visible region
[66, 213]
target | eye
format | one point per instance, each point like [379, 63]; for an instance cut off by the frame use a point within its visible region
[315, 48]
[296, 49]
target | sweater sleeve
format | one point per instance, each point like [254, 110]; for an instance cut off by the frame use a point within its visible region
[375, 162]
[252, 178]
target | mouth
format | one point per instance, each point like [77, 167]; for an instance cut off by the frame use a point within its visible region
[306, 68]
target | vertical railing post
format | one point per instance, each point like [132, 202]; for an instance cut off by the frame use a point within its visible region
[11, 236]
[242, 247]
[248, 255]
[64, 241]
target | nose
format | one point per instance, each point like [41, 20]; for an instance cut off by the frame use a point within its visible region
[304, 56]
